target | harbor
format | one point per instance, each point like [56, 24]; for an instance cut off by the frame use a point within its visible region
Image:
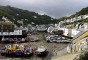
[52, 49]
[43, 30]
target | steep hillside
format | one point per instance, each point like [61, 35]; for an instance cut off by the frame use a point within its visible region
[78, 17]
[16, 14]
[84, 11]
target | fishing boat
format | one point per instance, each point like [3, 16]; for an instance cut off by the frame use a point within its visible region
[3, 51]
[16, 50]
[28, 51]
[14, 40]
[41, 51]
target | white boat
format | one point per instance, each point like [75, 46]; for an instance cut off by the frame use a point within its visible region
[41, 51]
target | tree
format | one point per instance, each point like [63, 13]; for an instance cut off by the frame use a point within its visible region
[28, 16]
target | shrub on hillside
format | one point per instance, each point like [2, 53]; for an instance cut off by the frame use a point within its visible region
[83, 56]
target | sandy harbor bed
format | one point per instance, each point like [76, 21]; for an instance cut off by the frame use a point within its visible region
[53, 48]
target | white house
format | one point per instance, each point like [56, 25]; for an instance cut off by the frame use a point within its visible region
[67, 31]
[75, 19]
[50, 29]
[82, 26]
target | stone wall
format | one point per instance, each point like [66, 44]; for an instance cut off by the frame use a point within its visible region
[80, 46]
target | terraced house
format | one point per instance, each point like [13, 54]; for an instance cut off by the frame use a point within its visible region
[7, 29]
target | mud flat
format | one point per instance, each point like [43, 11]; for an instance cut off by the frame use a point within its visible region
[52, 48]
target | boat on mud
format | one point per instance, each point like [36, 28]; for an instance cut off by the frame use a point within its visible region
[14, 40]
[41, 51]
[16, 50]
[20, 50]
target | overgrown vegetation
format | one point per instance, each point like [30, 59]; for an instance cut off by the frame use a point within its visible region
[83, 11]
[58, 32]
[83, 57]
[15, 14]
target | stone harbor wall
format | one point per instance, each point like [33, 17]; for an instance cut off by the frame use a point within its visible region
[80, 46]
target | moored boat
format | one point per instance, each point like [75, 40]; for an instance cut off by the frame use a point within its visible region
[41, 51]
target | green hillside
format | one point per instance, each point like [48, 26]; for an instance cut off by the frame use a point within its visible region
[15, 14]
[83, 11]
